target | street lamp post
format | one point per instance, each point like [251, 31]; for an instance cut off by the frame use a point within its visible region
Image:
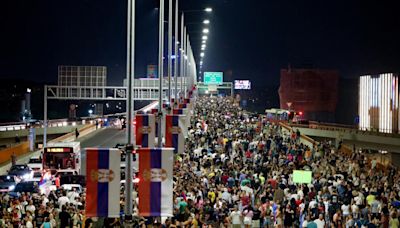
[129, 108]
[169, 48]
[185, 62]
[182, 51]
[160, 71]
[176, 52]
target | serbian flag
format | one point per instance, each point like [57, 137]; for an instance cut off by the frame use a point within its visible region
[155, 111]
[145, 130]
[156, 184]
[177, 111]
[174, 132]
[102, 182]
[182, 105]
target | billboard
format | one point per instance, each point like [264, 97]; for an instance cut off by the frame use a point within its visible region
[152, 71]
[213, 78]
[242, 84]
[302, 177]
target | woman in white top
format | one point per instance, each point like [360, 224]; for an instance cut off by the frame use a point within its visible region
[345, 209]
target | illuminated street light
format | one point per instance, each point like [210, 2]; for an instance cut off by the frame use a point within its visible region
[203, 45]
[203, 42]
[203, 48]
[201, 62]
[206, 31]
[206, 22]
[202, 54]
[208, 9]
[204, 37]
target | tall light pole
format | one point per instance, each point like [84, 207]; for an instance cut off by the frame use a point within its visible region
[130, 64]
[182, 73]
[169, 48]
[160, 70]
[186, 61]
[176, 52]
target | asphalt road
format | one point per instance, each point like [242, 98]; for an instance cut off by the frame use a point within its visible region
[103, 138]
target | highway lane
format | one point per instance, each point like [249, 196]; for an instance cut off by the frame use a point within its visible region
[101, 138]
[104, 138]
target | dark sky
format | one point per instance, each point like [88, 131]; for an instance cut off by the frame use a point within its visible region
[249, 39]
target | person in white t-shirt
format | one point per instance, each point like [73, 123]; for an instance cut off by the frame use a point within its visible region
[236, 218]
[345, 209]
[30, 207]
[320, 221]
[63, 200]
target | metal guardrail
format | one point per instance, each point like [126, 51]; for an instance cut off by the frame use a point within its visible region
[344, 128]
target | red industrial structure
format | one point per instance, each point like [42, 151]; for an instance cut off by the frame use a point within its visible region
[313, 92]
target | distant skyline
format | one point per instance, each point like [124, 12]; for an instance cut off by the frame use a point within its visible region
[248, 39]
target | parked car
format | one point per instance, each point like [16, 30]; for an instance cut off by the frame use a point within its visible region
[64, 172]
[73, 179]
[26, 186]
[35, 163]
[7, 183]
[37, 176]
[23, 172]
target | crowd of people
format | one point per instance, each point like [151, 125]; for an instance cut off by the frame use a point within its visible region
[57, 209]
[237, 171]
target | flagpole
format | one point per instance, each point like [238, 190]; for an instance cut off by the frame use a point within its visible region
[160, 71]
[129, 108]
[176, 52]
[181, 73]
[169, 49]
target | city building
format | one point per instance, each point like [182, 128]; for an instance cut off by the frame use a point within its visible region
[313, 92]
[379, 103]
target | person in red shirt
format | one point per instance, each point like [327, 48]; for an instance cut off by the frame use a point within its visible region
[224, 178]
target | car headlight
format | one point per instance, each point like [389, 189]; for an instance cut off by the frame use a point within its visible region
[11, 187]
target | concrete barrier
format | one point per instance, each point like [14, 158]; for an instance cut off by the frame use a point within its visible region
[22, 149]
[18, 150]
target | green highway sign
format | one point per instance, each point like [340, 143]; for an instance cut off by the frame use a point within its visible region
[213, 78]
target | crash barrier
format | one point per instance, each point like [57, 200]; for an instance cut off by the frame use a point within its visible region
[23, 148]
[69, 137]
[18, 150]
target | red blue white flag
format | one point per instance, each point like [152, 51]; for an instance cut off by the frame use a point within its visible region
[174, 132]
[182, 105]
[102, 182]
[155, 111]
[156, 183]
[145, 130]
[178, 111]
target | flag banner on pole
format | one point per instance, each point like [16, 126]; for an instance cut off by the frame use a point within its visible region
[103, 182]
[178, 111]
[156, 183]
[182, 105]
[186, 112]
[175, 130]
[145, 130]
[155, 111]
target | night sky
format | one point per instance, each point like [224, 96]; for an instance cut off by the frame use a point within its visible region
[249, 39]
